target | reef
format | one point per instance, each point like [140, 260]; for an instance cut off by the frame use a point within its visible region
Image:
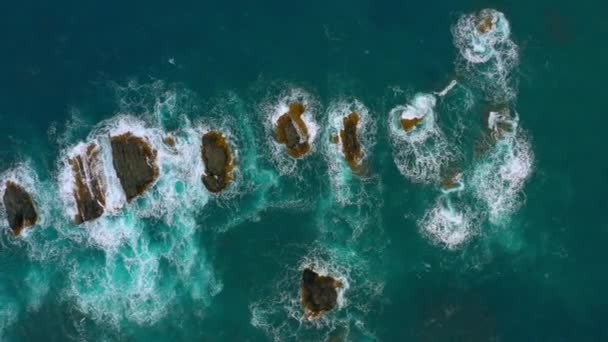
[135, 163]
[350, 142]
[409, 124]
[218, 161]
[319, 293]
[20, 210]
[291, 131]
[89, 189]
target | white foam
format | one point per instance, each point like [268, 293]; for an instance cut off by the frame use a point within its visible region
[448, 224]
[447, 89]
[420, 153]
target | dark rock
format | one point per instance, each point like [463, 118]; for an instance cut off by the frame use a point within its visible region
[350, 142]
[218, 161]
[19, 206]
[89, 191]
[319, 293]
[135, 164]
[409, 124]
[291, 131]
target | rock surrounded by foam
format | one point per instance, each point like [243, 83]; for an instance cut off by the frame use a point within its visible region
[409, 124]
[89, 187]
[319, 293]
[218, 161]
[350, 141]
[135, 163]
[291, 130]
[19, 206]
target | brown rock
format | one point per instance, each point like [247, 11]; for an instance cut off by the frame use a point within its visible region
[218, 161]
[169, 141]
[89, 191]
[409, 124]
[485, 24]
[135, 164]
[291, 131]
[350, 142]
[20, 210]
[319, 293]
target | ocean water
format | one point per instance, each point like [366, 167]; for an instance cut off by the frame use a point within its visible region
[486, 222]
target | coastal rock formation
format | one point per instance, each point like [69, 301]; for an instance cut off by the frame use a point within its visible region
[20, 210]
[350, 142]
[218, 161]
[291, 131]
[89, 189]
[135, 163]
[409, 124]
[319, 293]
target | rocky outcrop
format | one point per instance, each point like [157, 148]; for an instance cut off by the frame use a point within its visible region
[291, 131]
[485, 24]
[350, 141]
[409, 124]
[89, 187]
[218, 161]
[19, 206]
[134, 160]
[319, 293]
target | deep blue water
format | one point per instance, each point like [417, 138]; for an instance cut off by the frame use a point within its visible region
[180, 264]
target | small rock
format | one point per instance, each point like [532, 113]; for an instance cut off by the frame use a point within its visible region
[291, 131]
[89, 191]
[319, 293]
[19, 206]
[218, 161]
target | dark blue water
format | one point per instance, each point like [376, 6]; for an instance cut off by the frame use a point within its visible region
[522, 259]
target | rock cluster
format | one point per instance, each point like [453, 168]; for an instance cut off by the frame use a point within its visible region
[19, 206]
[89, 187]
[218, 161]
[291, 131]
[134, 160]
[319, 293]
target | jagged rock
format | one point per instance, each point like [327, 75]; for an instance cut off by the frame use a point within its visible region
[135, 163]
[291, 131]
[218, 161]
[319, 293]
[170, 141]
[350, 142]
[89, 187]
[20, 210]
[409, 124]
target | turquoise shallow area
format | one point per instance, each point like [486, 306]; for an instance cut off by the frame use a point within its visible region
[181, 264]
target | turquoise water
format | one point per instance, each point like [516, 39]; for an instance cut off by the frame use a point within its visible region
[514, 252]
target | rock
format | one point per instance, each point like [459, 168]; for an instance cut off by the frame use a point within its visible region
[485, 24]
[19, 206]
[319, 293]
[135, 164]
[350, 142]
[169, 141]
[218, 161]
[291, 131]
[409, 124]
[89, 187]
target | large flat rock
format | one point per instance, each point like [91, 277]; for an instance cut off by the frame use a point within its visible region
[89, 186]
[20, 209]
[218, 161]
[291, 130]
[319, 293]
[134, 160]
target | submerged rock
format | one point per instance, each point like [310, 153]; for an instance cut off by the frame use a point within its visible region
[89, 189]
[350, 141]
[20, 210]
[409, 124]
[218, 161]
[291, 131]
[319, 293]
[135, 164]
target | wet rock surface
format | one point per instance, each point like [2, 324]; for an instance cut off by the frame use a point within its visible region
[291, 131]
[89, 187]
[319, 293]
[409, 124]
[350, 141]
[19, 206]
[135, 163]
[218, 161]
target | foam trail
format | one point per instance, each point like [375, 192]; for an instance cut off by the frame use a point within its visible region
[420, 152]
[447, 89]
